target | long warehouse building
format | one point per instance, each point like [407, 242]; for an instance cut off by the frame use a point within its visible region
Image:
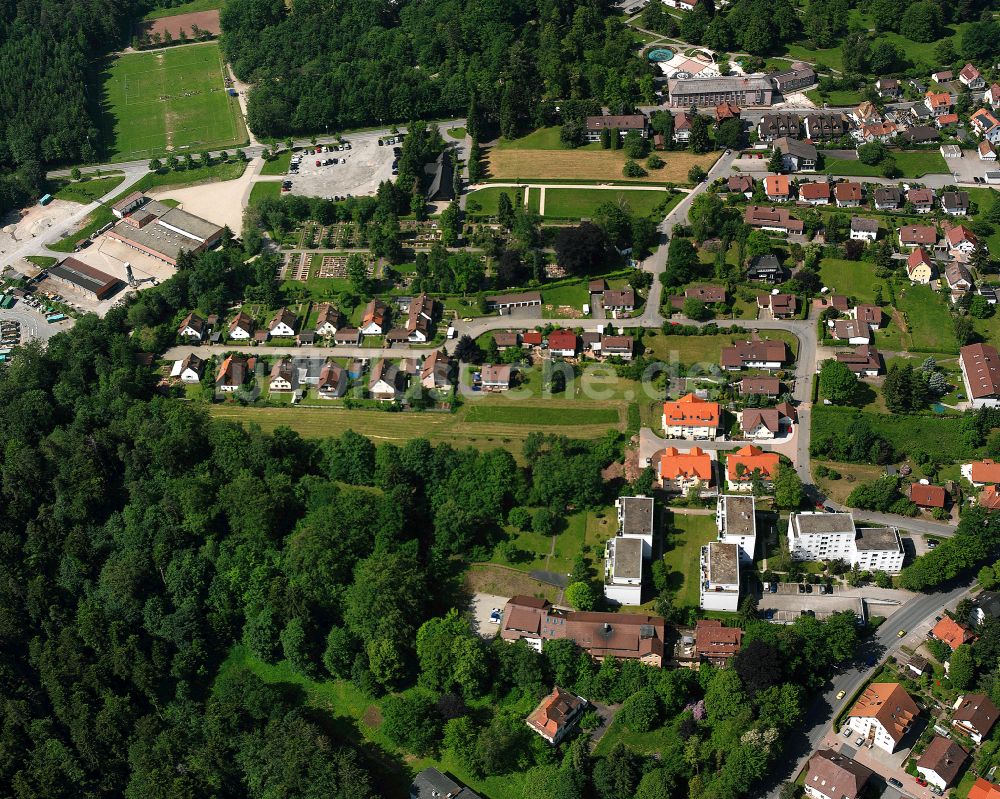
[164, 232]
[84, 278]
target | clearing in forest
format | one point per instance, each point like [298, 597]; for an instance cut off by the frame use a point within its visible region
[168, 101]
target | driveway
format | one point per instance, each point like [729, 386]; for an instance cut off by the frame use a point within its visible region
[479, 612]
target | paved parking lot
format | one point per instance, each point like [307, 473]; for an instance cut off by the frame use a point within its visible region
[787, 607]
[480, 608]
[366, 165]
[33, 324]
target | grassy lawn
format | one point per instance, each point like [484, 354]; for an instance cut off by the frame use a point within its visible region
[941, 435]
[457, 133]
[852, 278]
[532, 414]
[851, 475]
[44, 261]
[487, 199]
[437, 427]
[832, 58]
[88, 191]
[684, 538]
[585, 532]
[838, 97]
[985, 199]
[646, 743]
[277, 165]
[584, 164]
[186, 8]
[927, 319]
[167, 101]
[264, 189]
[541, 139]
[579, 203]
[923, 51]
[913, 164]
[690, 350]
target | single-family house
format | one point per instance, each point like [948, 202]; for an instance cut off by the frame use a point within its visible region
[927, 496]
[776, 220]
[232, 374]
[375, 320]
[495, 377]
[332, 381]
[971, 77]
[850, 330]
[938, 103]
[617, 347]
[432, 784]
[984, 789]
[284, 376]
[887, 198]
[740, 184]
[975, 715]
[961, 241]
[563, 343]
[420, 315]
[242, 327]
[778, 188]
[769, 387]
[755, 353]
[876, 131]
[941, 762]
[980, 364]
[760, 424]
[864, 229]
[865, 361]
[747, 463]
[986, 151]
[870, 315]
[715, 643]
[959, 279]
[682, 127]
[989, 498]
[189, 369]
[282, 325]
[917, 236]
[192, 327]
[918, 665]
[951, 632]
[919, 266]
[556, 715]
[920, 134]
[832, 775]
[947, 121]
[681, 471]
[531, 338]
[981, 473]
[726, 110]
[619, 301]
[817, 193]
[328, 320]
[435, 371]
[386, 381]
[766, 269]
[708, 293]
[882, 715]
[780, 306]
[796, 155]
[691, 417]
[506, 340]
[955, 203]
[922, 200]
[992, 96]
[888, 87]
[347, 336]
[985, 123]
[779, 125]
[866, 114]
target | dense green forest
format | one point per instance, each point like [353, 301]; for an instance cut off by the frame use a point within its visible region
[366, 62]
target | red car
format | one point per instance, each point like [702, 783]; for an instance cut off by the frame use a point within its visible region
[921, 781]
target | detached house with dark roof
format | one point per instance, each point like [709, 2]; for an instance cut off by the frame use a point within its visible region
[796, 155]
[831, 775]
[556, 715]
[975, 715]
[882, 715]
[193, 327]
[980, 364]
[941, 762]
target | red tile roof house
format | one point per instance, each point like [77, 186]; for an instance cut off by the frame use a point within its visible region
[619, 301]
[951, 632]
[941, 762]
[938, 103]
[922, 200]
[755, 354]
[980, 473]
[562, 343]
[777, 188]
[763, 386]
[815, 193]
[865, 361]
[781, 306]
[927, 496]
[556, 715]
[777, 220]
[714, 643]
[848, 194]
[681, 471]
[870, 315]
[831, 775]
[980, 364]
[917, 235]
[531, 338]
[971, 77]
[975, 715]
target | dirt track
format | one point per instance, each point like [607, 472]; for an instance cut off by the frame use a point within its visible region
[588, 165]
[206, 20]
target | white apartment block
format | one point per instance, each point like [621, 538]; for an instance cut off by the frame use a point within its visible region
[834, 536]
[719, 569]
[624, 554]
[737, 522]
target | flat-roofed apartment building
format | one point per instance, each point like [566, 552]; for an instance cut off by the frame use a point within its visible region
[84, 278]
[736, 518]
[164, 233]
[834, 536]
[710, 92]
[719, 571]
[981, 374]
[626, 553]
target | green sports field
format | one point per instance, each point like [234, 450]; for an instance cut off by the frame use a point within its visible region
[168, 101]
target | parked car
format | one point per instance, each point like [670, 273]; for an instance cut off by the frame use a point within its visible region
[841, 694]
[802, 588]
[894, 782]
[922, 782]
[809, 588]
[860, 741]
[847, 732]
[495, 615]
[901, 633]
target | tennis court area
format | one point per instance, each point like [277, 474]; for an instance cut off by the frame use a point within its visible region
[168, 101]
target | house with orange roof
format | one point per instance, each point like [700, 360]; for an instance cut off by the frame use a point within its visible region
[682, 471]
[938, 103]
[883, 715]
[747, 461]
[989, 498]
[692, 417]
[556, 715]
[778, 188]
[980, 473]
[981, 789]
[951, 632]
[920, 267]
